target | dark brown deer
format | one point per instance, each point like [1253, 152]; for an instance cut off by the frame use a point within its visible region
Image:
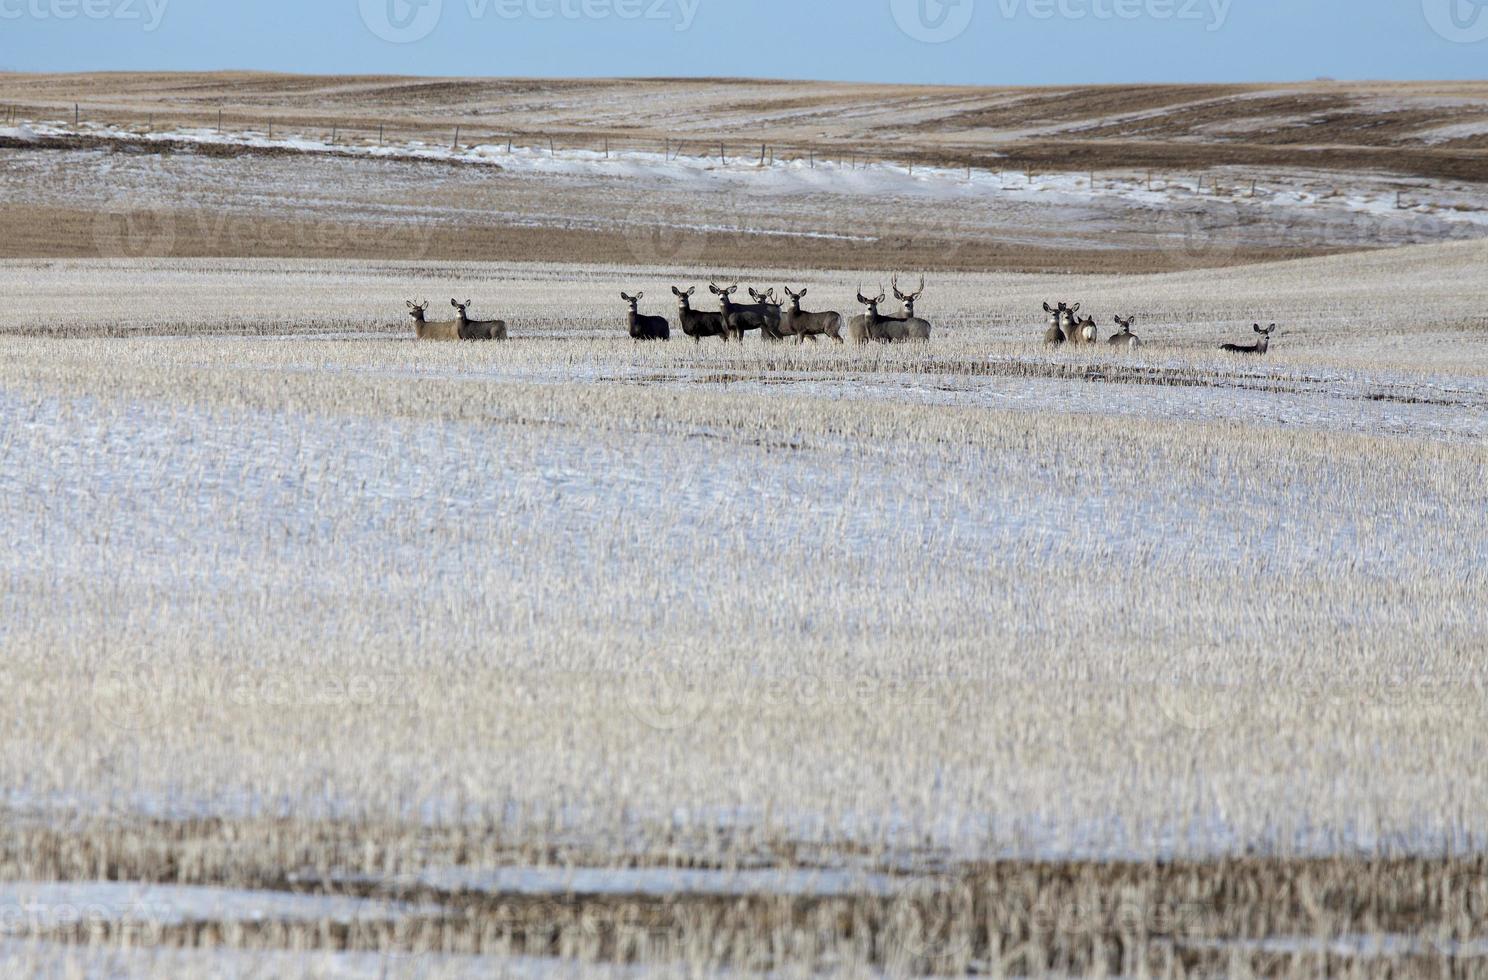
[644, 327]
[698, 324]
[1259, 347]
[477, 329]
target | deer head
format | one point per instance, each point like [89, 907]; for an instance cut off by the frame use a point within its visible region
[634, 301]
[871, 304]
[908, 299]
[462, 307]
[723, 293]
[683, 298]
[417, 310]
[795, 299]
[1126, 324]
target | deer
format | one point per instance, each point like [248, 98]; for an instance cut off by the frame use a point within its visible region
[477, 329]
[424, 330]
[737, 318]
[884, 329]
[1125, 338]
[698, 324]
[1259, 347]
[802, 325]
[1086, 331]
[914, 328]
[1062, 324]
[644, 327]
[768, 308]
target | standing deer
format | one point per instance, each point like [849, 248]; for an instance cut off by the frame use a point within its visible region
[1125, 338]
[914, 328]
[698, 324]
[1055, 334]
[477, 329]
[884, 329]
[1062, 324]
[767, 307]
[644, 327]
[802, 325]
[1259, 347]
[424, 330]
[737, 318]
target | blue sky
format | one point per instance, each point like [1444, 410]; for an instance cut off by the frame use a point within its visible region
[933, 41]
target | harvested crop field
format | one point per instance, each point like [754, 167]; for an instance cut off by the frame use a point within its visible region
[333, 653]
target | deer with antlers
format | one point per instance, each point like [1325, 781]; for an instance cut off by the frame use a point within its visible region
[873, 325]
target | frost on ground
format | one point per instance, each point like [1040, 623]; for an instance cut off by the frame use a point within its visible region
[292, 599]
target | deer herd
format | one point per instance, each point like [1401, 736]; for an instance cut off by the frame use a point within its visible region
[777, 319]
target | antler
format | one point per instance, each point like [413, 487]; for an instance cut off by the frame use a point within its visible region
[895, 283]
[916, 293]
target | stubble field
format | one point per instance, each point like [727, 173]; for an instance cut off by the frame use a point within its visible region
[326, 648]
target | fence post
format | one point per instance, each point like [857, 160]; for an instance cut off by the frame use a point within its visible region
[456, 144]
[607, 147]
[722, 154]
[379, 133]
[77, 116]
[271, 129]
[219, 122]
[813, 158]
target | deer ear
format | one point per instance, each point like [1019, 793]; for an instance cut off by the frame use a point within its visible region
[641, 294]
[410, 304]
[1048, 308]
[1258, 328]
[805, 291]
[1075, 308]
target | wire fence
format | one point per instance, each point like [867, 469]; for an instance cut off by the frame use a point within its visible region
[458, 137]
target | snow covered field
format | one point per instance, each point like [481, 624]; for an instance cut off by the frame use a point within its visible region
[293, 602]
